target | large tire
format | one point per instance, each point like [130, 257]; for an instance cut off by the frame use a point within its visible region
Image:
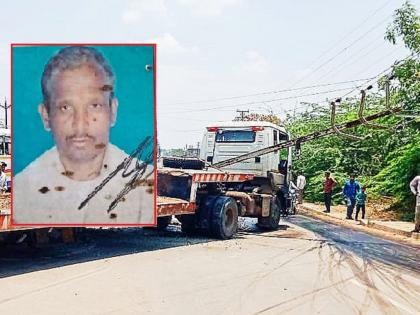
[187, 223]
[224, 218]
[183, 163]
[271, 222]
[163, 222]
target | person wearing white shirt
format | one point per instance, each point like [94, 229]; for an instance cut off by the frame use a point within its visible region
[415, 189]
[3, 181]
[300, 183]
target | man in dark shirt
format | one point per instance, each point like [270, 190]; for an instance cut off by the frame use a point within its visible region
[329, 184]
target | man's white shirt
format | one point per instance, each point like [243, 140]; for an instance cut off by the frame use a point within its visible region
[415, 185]
[301, 182]
[3, 181]
[44, 193]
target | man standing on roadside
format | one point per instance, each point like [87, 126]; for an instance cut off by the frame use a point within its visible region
[300, 183]
[3, 181]
[350, 189]
[329, 184]
[415, 188]
[361, 198]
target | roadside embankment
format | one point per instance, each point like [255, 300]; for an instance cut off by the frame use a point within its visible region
[394, 230]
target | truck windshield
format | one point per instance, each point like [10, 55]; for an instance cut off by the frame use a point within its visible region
[235, 136]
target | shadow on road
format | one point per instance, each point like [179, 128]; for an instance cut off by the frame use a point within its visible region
[95, 244]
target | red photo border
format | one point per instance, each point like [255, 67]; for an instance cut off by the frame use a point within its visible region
[12, 225]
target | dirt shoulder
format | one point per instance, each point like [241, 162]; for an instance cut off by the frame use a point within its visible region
[392, 230]
[375, 210]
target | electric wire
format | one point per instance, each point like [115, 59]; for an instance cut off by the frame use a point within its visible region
[263, 93]
[341, 51]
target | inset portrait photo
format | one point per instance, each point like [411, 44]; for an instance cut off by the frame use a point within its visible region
[83, 134]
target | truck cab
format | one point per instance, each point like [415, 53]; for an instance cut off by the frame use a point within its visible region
[222, 141]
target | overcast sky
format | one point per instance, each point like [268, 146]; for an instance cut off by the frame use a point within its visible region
[212, 54]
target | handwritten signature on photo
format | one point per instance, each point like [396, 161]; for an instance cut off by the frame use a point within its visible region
[138, 173]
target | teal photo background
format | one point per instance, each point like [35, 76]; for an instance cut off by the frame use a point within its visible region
[134, 89]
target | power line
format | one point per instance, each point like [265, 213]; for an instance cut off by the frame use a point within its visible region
[257, 102]
[378, 61]
[353, 59]
[348, 34]
[378, 75]
[301, 88]
[262, 93]
[223, 108]
[342, 51]
[366, 83]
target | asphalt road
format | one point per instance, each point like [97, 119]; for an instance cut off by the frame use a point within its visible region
[306, 267]
[364, 245]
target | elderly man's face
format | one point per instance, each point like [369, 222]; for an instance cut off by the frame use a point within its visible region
[80, 115]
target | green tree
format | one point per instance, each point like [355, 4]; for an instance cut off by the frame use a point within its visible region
[403, 162]
[385, 160]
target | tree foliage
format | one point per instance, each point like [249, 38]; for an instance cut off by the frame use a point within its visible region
[386, 160]
[406, 24]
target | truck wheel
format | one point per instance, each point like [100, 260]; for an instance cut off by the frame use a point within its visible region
[224, 217]
[163, 222]
[271, 222]
[187, 223]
